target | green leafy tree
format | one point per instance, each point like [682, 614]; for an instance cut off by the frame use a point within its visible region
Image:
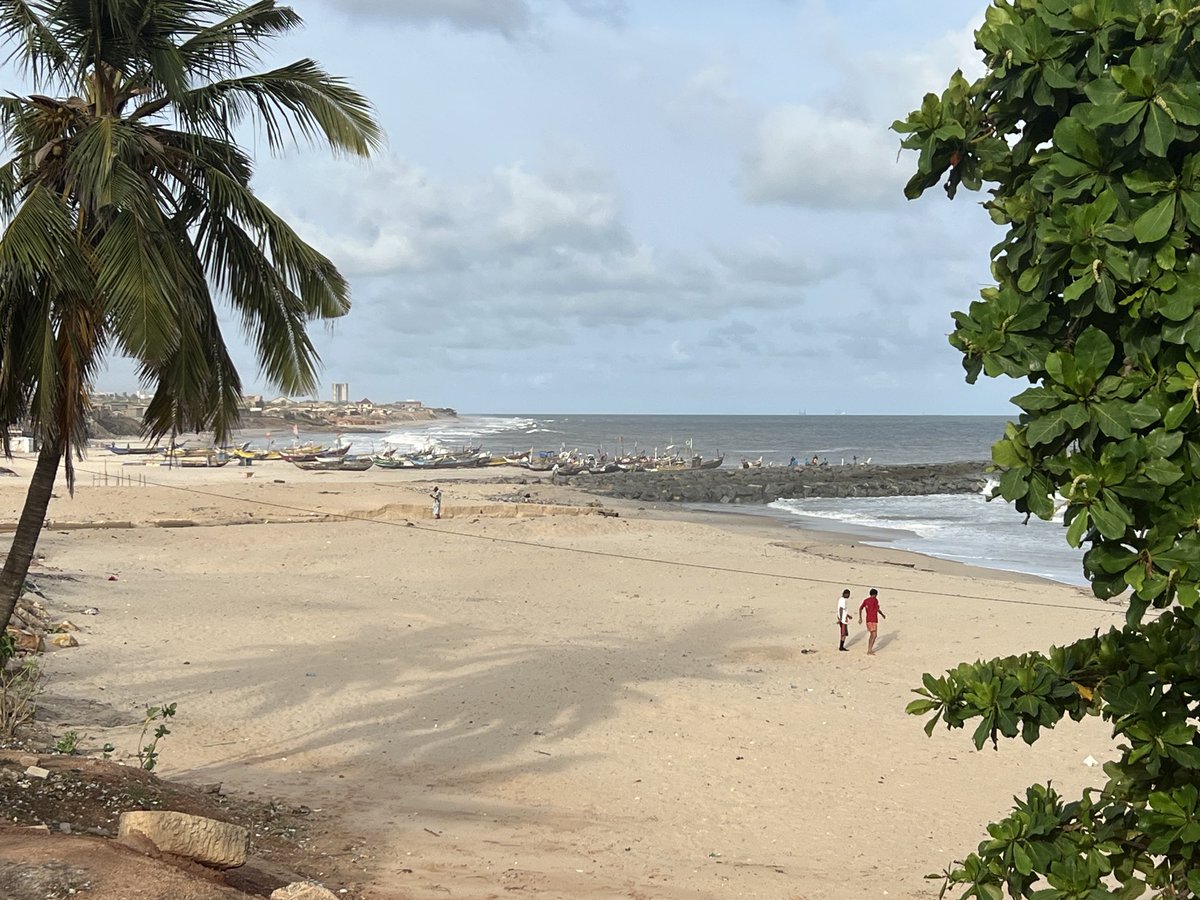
[128, 218]
[1086, 130]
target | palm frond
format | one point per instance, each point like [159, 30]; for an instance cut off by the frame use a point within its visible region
[79, 350]
[232, 44]
[141, 279]
[38, 249]
[300, 100]
[274, 317]
[10, 188]
[197, 386]
[35, 47]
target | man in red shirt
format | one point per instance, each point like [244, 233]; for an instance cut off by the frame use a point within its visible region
[871, 605]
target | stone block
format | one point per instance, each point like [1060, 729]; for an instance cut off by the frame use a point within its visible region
[217, 844]
[26, 641]
[303, 890]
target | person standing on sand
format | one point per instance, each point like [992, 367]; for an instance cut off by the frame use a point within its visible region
[843, 619]
[436, 494]
[871, 606]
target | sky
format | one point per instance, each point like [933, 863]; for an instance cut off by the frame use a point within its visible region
[614, 206]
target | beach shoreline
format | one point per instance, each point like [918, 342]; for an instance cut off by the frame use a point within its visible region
[536, 694]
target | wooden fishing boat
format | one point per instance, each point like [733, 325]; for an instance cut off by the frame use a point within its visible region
[391, 462]
[450, 461]
[246, 451]
[683, 464]
[132, 451]
[336, 464]
[214, 461]
[303, 453]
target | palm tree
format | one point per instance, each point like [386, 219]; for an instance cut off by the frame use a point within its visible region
[128, 217]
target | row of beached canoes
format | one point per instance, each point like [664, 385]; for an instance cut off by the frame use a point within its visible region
[318, 458]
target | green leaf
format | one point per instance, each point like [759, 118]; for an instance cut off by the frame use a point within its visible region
[1110, 518]
[1014, 483]
[1078, 528]
[1113, 114]
[1154, 223]
[1132, 81]
[1093, 352]
[1142, 414]
[1162, 471]
[920, 707]
[1046, 428]
[1007, 454]
[1075, 138]
[1177, 306]
[1037, 398]
[1021, 860]
[1160, 131]
[1176, 414]
[1163, 443]
[1113, 418]
[1041, 496]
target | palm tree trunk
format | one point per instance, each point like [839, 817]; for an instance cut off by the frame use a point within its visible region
[29, 528]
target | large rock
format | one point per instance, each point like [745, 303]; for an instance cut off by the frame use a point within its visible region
[773, 483]
[303, 890]
[207, 841]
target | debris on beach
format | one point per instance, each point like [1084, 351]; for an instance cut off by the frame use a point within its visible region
[33, 627]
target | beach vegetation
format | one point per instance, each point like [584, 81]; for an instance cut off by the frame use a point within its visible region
[1085, 132]
[68, 743]
[147, 754]
[21, 684]
[129, 221]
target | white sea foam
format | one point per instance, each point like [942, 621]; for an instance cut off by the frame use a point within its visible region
[961, 527]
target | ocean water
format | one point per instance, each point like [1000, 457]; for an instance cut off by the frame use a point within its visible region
[774, 439]
[966, 528]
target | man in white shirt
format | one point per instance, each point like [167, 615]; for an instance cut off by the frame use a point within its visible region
[843, 619]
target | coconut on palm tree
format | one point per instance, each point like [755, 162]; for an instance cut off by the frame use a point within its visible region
[129, 219]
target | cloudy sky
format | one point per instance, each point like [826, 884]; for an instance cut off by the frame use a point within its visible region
[640, 206]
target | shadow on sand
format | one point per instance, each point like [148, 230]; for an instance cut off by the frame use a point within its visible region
[436, 706]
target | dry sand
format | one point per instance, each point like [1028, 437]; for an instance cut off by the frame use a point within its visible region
[534, 699]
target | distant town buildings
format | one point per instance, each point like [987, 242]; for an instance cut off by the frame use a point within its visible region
[257, 411]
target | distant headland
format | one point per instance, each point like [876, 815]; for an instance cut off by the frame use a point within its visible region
[120, 415]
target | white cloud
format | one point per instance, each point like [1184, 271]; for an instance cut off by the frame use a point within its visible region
[686, 202]
[557, 215]
[509, 18]
[808, 158]
[613, 12]
[677, 354]
[506, 17]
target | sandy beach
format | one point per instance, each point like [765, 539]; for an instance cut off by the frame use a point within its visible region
[531, 698]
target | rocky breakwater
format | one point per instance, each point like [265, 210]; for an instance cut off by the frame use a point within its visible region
[765, 485]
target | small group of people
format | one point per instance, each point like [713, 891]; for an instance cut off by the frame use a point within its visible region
[793, 462]
[869, 606]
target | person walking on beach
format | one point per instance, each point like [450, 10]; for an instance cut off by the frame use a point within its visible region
[843, 619]
[436, 494]
[871, 606]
